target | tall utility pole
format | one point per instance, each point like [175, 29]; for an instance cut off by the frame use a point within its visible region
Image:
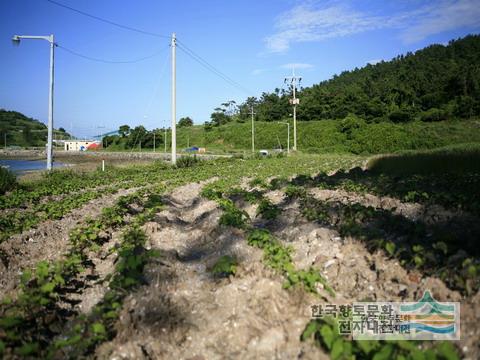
[294, 101]
[174, 101]
[50, 106]
[253, 129]
[16, 40]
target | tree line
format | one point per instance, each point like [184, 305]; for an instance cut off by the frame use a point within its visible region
[433, 84]
[140, 137]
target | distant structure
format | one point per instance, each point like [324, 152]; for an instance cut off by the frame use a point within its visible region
[82, 145]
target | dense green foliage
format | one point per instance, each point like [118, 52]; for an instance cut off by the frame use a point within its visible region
[20, 130]
[432, 84]
[185, 121]
[134, 138]
[350, 135]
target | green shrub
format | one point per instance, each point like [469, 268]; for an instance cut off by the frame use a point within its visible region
[187, 161]
[7, 180]
[349, 124]
[400, 116]
[434, 114]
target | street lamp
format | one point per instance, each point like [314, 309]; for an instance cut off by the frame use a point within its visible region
[288, 135]
[16, 41]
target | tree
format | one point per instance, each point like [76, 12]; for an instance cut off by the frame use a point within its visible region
[27, 134]
[136, 136]
[124, 130]
[185, 122]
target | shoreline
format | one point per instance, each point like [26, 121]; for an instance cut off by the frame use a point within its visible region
[85, 156]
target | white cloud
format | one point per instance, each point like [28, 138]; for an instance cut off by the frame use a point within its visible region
[297, 66]
[447, 15]
[315, 21]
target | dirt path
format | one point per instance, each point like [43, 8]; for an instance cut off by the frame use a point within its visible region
[186, 313]
[48, 241]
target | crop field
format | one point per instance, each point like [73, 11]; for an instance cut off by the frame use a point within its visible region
[225, 258]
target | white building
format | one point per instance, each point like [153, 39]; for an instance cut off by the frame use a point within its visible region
[81, 145]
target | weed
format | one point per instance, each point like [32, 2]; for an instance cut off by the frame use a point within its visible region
[232, 216]
[7, 180]
[225, 266]
[267, 210]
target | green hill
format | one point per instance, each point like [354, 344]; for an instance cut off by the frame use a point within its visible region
[20, 130]
[433, 84]
[349, 135]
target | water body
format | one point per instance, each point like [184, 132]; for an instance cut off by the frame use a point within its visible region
[21, 166]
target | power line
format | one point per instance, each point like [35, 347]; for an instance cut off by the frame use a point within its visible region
[211, 68]
[111, 61]
[107, 21]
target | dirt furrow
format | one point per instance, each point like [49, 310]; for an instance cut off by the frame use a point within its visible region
[48, 241]
[187, 313]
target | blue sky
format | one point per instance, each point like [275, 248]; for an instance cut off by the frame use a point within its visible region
[253, 42]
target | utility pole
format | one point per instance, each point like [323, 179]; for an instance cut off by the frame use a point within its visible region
[174, 101]
[294, 101]
[16, 40]
[154, 141]
[253, 129]
[50, 106]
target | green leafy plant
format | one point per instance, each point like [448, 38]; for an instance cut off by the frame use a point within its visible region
[187, 161]
[326, 334]
[267, 210]
[225, 266]
[232, 216]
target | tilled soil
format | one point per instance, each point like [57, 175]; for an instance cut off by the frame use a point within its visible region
[186, 313]
[48, 241]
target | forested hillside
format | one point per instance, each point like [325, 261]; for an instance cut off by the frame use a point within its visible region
[432, 84]
[17, 129]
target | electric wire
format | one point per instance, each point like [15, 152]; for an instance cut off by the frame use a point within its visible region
[130, 28]
[157, 86]
[110, 61]
[210, 67]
